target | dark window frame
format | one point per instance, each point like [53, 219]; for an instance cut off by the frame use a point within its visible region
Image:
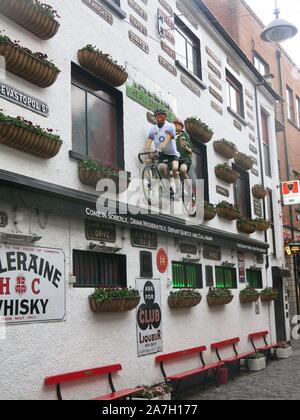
[244, 175]
[266, 142]
[144, 271]
[185, 265]
[92, 85]
[290, 104]
[239, 92]
[201, 150]
[234, 277]
[252, 283]
[263, 62]
[271, 218]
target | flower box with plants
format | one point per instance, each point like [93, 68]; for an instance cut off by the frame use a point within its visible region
[161, 391]
[102, 65]
[185, 298]
[228, 211]
[225, 148]
[31, 66]
[114, 300]
[284, 350]
[244, 161]
[259, 192]
[246, 225]
[269, 294]
[262, 225]
[210, 211]
[91, 172]
[24, 135]
[257, 362]
[198, 129]
[249, 295]
[226, 173]
[219, 296]
[38, 18]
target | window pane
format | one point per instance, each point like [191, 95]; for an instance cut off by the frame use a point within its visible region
[219, 278]
[101, 131]
[78, 120]
[187, 275]
[190, 57]
[181, 47]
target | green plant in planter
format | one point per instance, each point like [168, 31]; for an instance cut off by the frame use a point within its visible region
[93, 48]
[45, 9]
[262, 224]
[198, 121]
[154, 392]
[246, 225]
[249, 295]
[185, 293]
[259, 191]
[256, 356]
[283, 345]
[215, 292]
[269, 294]
[106, 294]
[92, 165]
[227, 205]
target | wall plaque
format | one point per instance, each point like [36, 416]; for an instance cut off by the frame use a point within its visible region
[252, 138]
[213, 56]
[258, 211]
[143, 239]
[249, 94]
[215, 94]
[249, 106]
[167, 19]
[97, 8]
[251, 126]
[136, 24]
[98, 231]
[188, 249]
[141, 12]
[214, 69]
[216, 108]
[215, 82]
[242, 270]
[138, 42]
[167, 66]
[212, 252]
[169, 37]
[255, 172]
[237, 125]
[3, 219]
[168, 50]
[190, 85]
[253, 149]
[166, 6]
[223, 191]
[250, 116]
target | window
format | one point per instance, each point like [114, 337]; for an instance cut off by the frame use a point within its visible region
[226, 278]
[242, 192]
[96, 120]
[235, 94]
[187, 48]
[186, 275]
[271, 219]
[254, 278]
[93, 269]
[298, 111]
[146, 264]
[266, 142]
[199, 168]
[261, 65]
[290, 104]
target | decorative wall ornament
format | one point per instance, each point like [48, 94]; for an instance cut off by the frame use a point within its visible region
[97, 8]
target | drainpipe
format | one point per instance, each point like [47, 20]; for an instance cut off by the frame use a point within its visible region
[288, 173]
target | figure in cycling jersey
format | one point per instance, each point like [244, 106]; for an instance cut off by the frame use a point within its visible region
[184, 147]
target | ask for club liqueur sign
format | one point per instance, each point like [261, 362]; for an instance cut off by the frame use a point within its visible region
[32, 284]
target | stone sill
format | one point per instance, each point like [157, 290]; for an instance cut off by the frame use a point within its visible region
[191, 75]
[114, 8]
[237, 116]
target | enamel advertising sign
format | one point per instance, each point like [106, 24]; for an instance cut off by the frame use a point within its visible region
[32, 284]
[291, 193]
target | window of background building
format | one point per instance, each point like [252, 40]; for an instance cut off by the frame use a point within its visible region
[186, 275]
[97, 120]
[254, 278]
[261, 65]
[226, 278]
[93, 269]
[298, 111]
[242, 192]
[266, 142]
[290, 104]
[199, 169]
[235, 94]
[188, 48]
[271, 219]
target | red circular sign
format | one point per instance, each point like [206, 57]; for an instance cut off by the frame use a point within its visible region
[162, 261]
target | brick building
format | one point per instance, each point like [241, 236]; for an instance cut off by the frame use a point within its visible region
[282, 73]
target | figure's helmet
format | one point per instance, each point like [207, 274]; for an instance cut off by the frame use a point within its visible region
[160, 111]
[178, 121]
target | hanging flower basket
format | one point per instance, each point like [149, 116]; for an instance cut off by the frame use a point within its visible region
[218, 297]
[244, 161]
[91, 172]
[198, 130]
[259, 192]
[184, 299]
[102, 66]
[23, 135]
[210, 211]
[226, 173]
[34, 16]
[246, 226]
[228, 211]
[114, 300]
[33, 67]
[262, 225]
[269, 295]
[249, 295]
[225, 148]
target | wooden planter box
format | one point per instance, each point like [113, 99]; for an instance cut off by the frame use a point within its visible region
[114, 304]
[22, 139]
[243, 161]
[198, 132]
[263, 226]
[259, 192]
[224, 149]
[209, 214]
[30, 17]
[28, 67]
[228, 214]
[103, 67]
[249, 299]
[246, 227]
[91, 177]
[226, 174]
[218, 301]
[184, 302]
[268, 298]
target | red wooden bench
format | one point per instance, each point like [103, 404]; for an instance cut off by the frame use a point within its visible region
[91, 373]
[266, 348]
[236, 358]
[175, 379]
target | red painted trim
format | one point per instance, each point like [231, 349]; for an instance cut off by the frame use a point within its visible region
[83, 374]
[258, 335]
[225, 343]
[181, 353]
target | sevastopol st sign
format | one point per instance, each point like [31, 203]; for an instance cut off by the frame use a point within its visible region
[32, 284]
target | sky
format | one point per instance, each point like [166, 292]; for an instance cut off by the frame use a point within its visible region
[290, 11]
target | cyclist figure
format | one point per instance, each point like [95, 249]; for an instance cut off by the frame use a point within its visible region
[184, 147]
[163, 136]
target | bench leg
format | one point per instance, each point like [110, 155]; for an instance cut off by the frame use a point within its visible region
[230, 371]
[216, 377]
[205, 380]
[175, 393]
